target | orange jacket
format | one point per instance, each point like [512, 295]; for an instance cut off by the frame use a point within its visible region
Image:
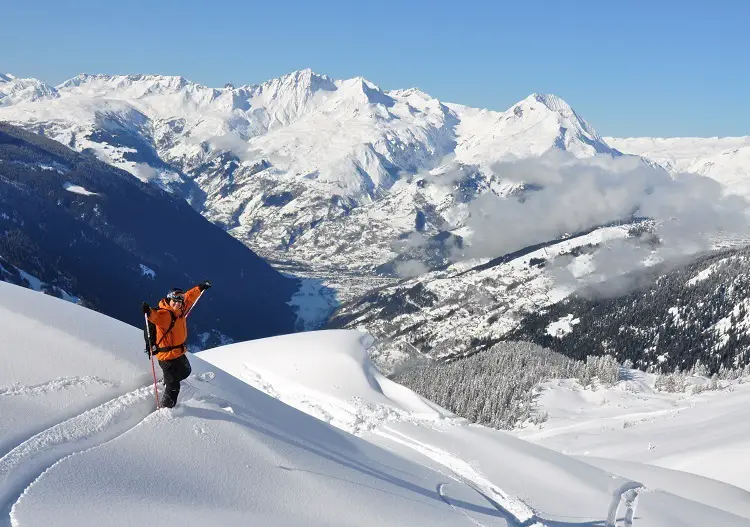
[162, 319]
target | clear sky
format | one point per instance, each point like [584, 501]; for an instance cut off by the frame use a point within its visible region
[631, 68]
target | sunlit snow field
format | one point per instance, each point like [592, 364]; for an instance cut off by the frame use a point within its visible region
[82, 444]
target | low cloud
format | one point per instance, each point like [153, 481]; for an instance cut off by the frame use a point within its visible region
[145, 172]
[232, 143]
[573, 194]
[569, 195]
[410, 268]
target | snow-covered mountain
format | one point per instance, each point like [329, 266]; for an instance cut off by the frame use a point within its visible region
[725, 159]
[608, 291]
[81, 424]
[355, 187]
[14, 90]
[529, 128]
[306, 169]
[467, 307]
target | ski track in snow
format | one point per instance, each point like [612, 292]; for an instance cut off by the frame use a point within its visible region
[358, 417]
[447, 499]
[54, 385]
[26, 463]
[514, 509]
[627, 493]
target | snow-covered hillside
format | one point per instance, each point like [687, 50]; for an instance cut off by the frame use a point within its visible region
[672, 318]
[725, 159]
[469, 306]
[523, 480]
[284, 164]
[82, 444]
[631, 424]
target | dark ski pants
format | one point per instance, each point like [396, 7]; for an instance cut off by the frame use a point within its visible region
[175, 370]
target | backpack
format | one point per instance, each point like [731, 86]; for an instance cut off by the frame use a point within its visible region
[151, 343]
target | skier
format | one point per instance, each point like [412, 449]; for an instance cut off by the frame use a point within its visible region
[171, 335]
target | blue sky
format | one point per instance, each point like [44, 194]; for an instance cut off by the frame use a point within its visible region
[635, 68]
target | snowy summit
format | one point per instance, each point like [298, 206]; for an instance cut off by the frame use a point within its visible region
[281, 163]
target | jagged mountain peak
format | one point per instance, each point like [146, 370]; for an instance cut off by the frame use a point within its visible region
[134, 85]
[15, 90]
[551, 101]
[364, 91]
[411, 92]
[531, 127]
[305, 80]
[556, 105]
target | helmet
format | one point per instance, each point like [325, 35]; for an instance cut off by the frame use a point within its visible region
[176, 294]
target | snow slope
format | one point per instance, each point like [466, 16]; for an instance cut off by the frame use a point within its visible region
[725, 159]
[87, 452]
[82, 444]
[327, 374]
[706, 434]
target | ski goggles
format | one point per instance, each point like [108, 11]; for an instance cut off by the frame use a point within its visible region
[176, 297]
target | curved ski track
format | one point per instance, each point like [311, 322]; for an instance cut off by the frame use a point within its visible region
[503, 517]
[28, 461]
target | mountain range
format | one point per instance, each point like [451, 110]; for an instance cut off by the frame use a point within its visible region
[373, 194]
[286, 164]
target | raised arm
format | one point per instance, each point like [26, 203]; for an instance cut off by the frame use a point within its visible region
[191, 295]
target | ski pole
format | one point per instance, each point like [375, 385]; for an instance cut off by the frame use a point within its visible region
[196, 301]
[151, 356]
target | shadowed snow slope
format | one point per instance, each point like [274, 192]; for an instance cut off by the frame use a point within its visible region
[328, 374]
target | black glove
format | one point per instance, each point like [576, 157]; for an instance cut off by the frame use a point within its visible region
[146, 308]
[204, 285]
